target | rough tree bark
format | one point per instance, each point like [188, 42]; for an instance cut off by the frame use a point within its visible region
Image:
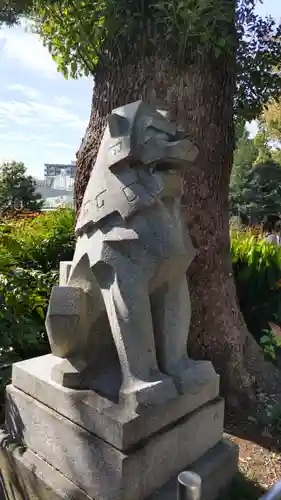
[200, 98]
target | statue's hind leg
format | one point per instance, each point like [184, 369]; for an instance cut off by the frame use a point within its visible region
[73, 308]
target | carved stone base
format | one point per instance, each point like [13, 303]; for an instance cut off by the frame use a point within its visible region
[25, 476]
[158, 390]
[77, 444]
[112, 421]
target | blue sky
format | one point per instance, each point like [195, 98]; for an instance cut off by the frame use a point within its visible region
[43, 116]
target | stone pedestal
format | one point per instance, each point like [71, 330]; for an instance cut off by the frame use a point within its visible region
[61, 443]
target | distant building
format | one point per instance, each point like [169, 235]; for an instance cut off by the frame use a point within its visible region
[57, 188]
[55, 170]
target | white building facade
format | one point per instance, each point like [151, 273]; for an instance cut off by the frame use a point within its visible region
[57, 187]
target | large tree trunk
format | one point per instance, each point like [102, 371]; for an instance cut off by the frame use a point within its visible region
[200, 98]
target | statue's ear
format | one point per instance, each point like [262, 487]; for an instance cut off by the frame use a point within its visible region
[118, 125]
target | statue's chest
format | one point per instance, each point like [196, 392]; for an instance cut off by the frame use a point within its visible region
[124, 191]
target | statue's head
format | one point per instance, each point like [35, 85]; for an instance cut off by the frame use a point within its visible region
[140, 133]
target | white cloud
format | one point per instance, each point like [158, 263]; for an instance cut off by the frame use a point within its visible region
[16, 111]
[25, 90]
[38, 114]
[15, 137]
[79, 124]
[60, 145]
[27, 50]
[62, 101]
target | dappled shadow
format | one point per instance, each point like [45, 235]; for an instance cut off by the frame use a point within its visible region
[246, 425]
[242, 488]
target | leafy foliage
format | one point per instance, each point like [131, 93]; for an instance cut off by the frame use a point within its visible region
[24, 295]
[12, 10]
[244, 157]
[255, 181]
[257, 269]
[263, 190]
[40, 243]
[262, 143]
[17, 189]
[30, 251]
[258, 53]
[82, 36]
[270, 343]
[272, 118]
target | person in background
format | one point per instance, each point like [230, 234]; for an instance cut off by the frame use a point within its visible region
[271, 231]
[278, 231]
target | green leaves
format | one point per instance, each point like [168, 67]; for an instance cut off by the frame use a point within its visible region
[11, 11]
[30, 252]
[77, 32]
[255, 186]
[17, 189]
[39, 243]
[258, 53]
[269, 343]
[271, 117]
[24, 299]
[244, 157]
[257, 270]
[73, 31]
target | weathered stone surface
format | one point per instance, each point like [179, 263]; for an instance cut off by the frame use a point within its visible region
[118, 425]
[101, 470]
[65, 268]
[25, 476]
[31, 478]
[130, 263]
[66, 320]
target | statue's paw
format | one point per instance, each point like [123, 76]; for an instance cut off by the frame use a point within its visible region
[142, 393]
[66, 320]
[71, 374]
[192, 376]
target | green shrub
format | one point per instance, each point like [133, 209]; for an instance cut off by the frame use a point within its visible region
[39, 243]
[257, 270]
[24, 296]
[30, 252]
[269, 342]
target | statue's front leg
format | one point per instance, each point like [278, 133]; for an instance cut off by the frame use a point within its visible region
[171, 311]
[125, 294]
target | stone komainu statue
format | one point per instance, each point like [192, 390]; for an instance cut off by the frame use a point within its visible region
[125, 306]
